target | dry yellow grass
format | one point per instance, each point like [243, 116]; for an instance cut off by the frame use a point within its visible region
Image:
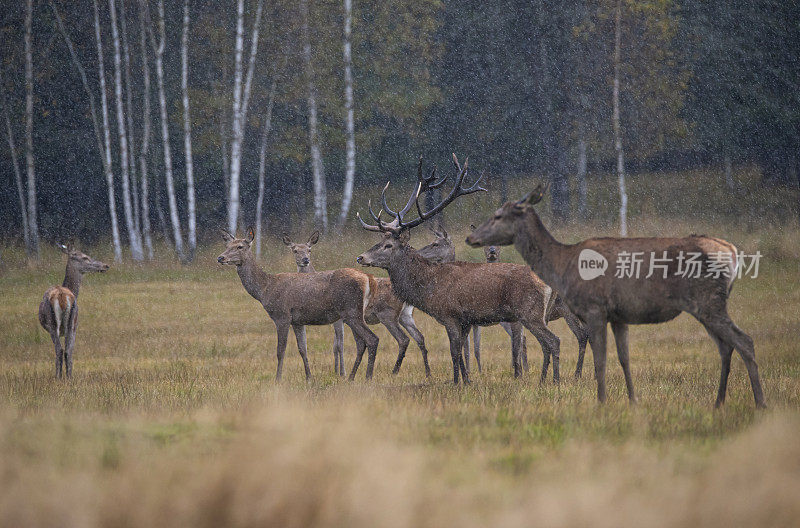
[173, 417]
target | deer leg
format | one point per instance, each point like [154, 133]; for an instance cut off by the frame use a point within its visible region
[360, 328]
[582, 335]
[621, 339]
[69, 339]
[550, 347]
[300, 335]
[597, 338]
[283, 336]
[726, 330]
[476, 336]
[361, 346]
[519, 360]
[402, 339]
[466, 351]
[407, 321]
[523, 351]
[456, 345]
[59, 352]
[338, 347]
[725, 354]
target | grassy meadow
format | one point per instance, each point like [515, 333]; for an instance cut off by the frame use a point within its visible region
[173, 416]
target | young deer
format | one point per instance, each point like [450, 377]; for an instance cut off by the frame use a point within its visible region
[58, 311]
[385, 308]
[299, 299]
[302, 258]
[627, 299]
[459, 294]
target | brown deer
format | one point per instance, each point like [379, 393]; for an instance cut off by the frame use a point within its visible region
[58, 311]
[459, 294]
[299, 299]
[601, 298]
[385, 308]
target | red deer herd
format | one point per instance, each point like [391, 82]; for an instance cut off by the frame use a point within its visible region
[465, 296]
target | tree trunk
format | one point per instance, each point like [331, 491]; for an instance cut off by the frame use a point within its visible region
[158, 49]
[126, 55]
[623, 194]
[236, 145]
[581, 177]
[133, 236]
[262, 162]
[33, 225]
[107, 167]
[317, 168]
[147, 232]
[729, 173]
[17, 176]
[187, 134]
[350, 173]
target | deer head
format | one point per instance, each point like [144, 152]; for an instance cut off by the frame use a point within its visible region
[81, 262]
[237, 250]
[395, 232]
[501, 228]
[440, 250]
[302, 252]
[492, 253]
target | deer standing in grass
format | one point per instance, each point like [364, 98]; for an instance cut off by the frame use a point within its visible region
[299, 299]
[459, 294]
[660, 296]
[384, 308]
[58, 311]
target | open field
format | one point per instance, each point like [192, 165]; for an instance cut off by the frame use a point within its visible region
[173, 416]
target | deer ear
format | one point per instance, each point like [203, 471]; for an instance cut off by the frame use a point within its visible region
[314, 238]
[535, 196]
[286, 239]
[227, 237]
[251, 234]
[64, 249]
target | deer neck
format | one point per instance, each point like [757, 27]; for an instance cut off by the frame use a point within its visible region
[306, 269]
[72, 279]
[254, 279]
[544, 254]
[411, 276]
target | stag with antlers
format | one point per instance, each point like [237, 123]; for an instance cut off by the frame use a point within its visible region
[299, 299]
[459, 294]
[58, 311]
[625, 299]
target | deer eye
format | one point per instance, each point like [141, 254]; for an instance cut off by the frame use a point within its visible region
[240, 246]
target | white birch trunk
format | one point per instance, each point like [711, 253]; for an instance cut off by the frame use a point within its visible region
[236, 144]
[581, 177]
[147, 232]
[251, 63]
[136, 247]
[33, 224]
[112, 205]
[623, 194]
[187, 134]
[158, 49]
[126, 55]
[350, 172]
[317, 168]
[262, 162]
[17, 177]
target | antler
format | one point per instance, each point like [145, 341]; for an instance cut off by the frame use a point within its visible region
[397, 225]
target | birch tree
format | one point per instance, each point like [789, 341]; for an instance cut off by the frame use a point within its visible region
[126, 55]
[158, 50]
[623, 194]
[17, 173]
[317, 167]
[262, 161]
[187, 134]
[146, 123]
[133, 236]
[241, 98]
[350, 171]
[107, 167]
[33, 225]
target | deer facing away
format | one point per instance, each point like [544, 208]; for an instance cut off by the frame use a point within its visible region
[626, 300]
[384, 308]
[459, 294]
[58, 311]
[299, 299]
